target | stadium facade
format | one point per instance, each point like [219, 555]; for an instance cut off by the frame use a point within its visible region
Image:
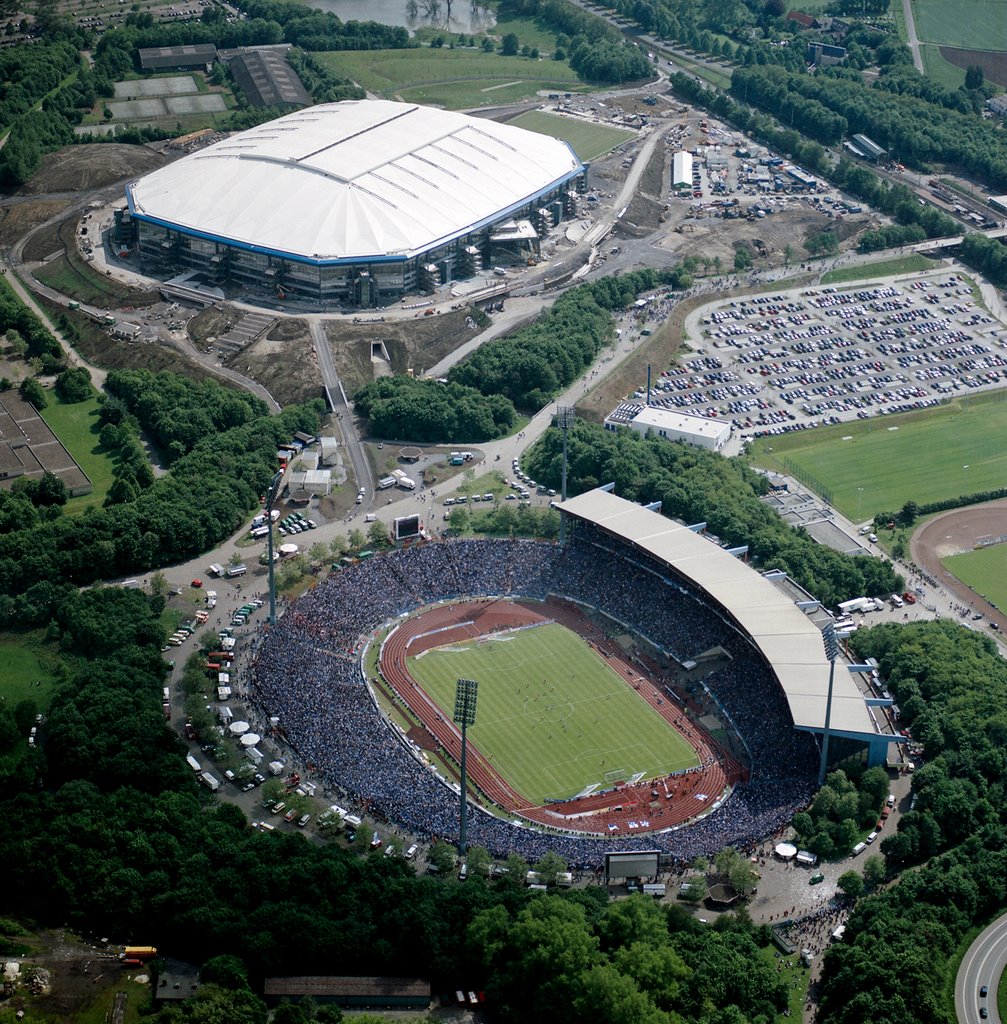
[354, 203]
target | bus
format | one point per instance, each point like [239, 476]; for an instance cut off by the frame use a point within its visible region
[139, 952]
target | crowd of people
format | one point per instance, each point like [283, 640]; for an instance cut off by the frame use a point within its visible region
[308, 674]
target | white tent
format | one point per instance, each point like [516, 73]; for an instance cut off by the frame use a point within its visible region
[250, 739]
[238, 728]
[786, 851]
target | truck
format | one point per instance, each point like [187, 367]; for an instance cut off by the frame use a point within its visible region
[385, 482]
[211, 598]
[407, 483]
[211, 782]
[139, 953]
[193, 764]
[856, 604]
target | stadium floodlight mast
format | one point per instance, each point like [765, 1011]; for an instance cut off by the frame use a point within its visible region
[274, 487]
[466, 694]
[565, 415]
[831, 642]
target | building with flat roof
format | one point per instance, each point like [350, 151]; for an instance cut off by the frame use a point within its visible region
[197, 57]
[356, 203]
[267, 79]
[674, 426]
[681, 170]
[358, 993]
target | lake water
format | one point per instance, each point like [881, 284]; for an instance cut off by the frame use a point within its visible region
[462, 16]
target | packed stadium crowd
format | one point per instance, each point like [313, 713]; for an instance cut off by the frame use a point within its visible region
[308, 673]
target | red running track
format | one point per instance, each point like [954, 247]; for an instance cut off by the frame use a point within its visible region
[650, 805]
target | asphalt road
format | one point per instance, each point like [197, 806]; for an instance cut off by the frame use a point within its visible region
[983, 964]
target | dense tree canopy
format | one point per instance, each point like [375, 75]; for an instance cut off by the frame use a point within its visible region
[695, 486]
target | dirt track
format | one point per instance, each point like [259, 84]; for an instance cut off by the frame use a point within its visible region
[953, 532]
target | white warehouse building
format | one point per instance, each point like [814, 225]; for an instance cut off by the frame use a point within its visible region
[681, 170]
[674, 426]
[358, 202]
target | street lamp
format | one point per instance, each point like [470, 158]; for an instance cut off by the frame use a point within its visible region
[565, 415]
[274, 487]
[466, 694]
[831, 642]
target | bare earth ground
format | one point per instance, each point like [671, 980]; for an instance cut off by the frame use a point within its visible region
[993, 63]
[951, 533]
[90, 166]
[80, 978]
[282, 360]
[19, 218]
[411, 344]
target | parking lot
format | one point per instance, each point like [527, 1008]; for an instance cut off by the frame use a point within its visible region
[776, 363]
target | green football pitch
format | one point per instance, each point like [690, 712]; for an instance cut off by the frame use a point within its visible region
[552, 716]
[983, 570]
[869, 466]
[589, 141]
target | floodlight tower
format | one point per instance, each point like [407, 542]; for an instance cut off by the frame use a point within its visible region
[831, 642]
[466, 693]
[565, 415]
[274, 487]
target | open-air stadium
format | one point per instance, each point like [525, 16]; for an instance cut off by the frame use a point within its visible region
[707, 647]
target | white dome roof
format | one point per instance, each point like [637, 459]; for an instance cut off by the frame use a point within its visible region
[352, 180]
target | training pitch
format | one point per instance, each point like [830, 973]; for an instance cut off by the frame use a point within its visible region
[553, 717]
[983, 571]
[589, 141]
[879, 464]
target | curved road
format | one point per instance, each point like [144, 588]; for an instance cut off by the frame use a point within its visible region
[983, 964]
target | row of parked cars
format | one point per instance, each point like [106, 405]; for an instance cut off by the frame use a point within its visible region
[296, 523]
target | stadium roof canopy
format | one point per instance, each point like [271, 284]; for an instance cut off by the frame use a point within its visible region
[790, 641]
[354, 180]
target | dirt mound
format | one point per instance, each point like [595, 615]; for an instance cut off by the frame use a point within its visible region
[89, 166]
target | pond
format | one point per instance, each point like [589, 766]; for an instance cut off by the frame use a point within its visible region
[460, 16]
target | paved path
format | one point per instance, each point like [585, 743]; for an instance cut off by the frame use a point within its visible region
[914, 41]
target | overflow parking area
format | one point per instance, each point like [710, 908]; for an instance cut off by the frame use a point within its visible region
[771, 364]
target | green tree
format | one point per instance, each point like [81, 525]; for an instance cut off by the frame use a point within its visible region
[509, 45]
[377, 534]
[441, 857]
[74, 385]
[874, 870]
[31, 391]
[742, 259]
[974, 77]
[852, 884]
[478, 860]
[227, 971]
[549, 867]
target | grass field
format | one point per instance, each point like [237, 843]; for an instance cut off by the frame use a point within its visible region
[553, 717]
[77, 427]
[913, 264]
[589, 141]
[975, 24]
[23, 667]
[455, 79]
[879, 464]
[983, 570]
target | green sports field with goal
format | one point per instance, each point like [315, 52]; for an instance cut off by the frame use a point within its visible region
[553, 717]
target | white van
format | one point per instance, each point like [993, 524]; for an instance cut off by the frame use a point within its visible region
[411, 852]
[858, 849]
[897, 601]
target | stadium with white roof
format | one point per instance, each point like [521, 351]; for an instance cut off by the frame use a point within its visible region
[359, 203]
